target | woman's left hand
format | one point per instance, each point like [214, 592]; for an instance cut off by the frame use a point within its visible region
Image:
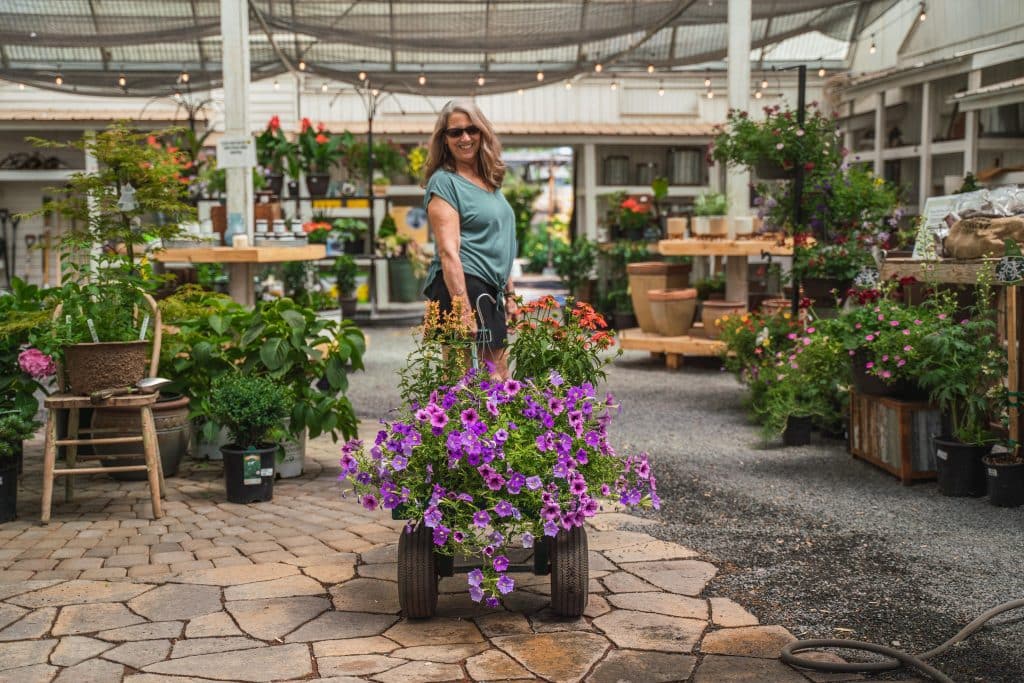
[511, 309]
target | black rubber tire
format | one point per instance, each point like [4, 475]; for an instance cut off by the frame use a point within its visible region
[417, 574]
[570, 572]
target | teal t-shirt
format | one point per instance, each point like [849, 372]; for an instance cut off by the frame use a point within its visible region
[487, 227]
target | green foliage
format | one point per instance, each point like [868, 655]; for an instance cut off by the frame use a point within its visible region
[778, 139]
[970, 184]
[14, 428]
[710, 204]
[345, 270]
[574, 262]
[274, 151]
[841, 261]
[520, 197]
[388, 159]
[387, 227]
[252, 408]
[21, 311]
[319, 149]
[295, 276]
[190, 302]
[712, 284]
[442, 354]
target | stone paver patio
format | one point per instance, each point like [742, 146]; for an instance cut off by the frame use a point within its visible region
[304, 587]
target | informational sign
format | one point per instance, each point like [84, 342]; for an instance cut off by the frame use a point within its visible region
[236, 152]
[933, 229]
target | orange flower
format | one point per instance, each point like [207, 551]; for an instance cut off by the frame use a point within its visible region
[321, 139]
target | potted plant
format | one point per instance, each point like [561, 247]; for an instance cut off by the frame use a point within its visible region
[407, 264]
[633, 218]
[252, 409]
[387, 160]
[709, 210]
[274, 152]
[351, 233]
[380, 185]
[14, 428]
[345, 270]
[416, 159]
[574, 264]
[319, 150]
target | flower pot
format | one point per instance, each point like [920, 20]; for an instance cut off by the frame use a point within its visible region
[219, 222]
[775, 306]
[672, 310]
[403, 285]
[347, 304]
[208, 450]
[798, 430]
[380, 190]
[275, 183]
[293, 188]
[715, 310]
[623, 320]
[959, 467]
[107, 365]
[8, 490]
[294, 460]
[173, 432]
[249, 473]
[1005, 482]
[710, 226]
[648, 275]
[820, 289]
[317, 184]
[675, 227]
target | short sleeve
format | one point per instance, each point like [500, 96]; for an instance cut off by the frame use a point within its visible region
[442, 184]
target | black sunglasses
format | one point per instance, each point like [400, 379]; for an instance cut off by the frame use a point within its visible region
[456, 133]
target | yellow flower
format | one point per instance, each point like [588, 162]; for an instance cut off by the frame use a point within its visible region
[785, 316]
[879, 181]
[745, 318]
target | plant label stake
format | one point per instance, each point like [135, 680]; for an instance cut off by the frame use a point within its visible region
[92, 330]
[142, 329]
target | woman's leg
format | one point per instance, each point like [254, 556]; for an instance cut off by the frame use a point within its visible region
[499, 358]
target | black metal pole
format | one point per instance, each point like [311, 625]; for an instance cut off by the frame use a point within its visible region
[798, 185]
[371, 104]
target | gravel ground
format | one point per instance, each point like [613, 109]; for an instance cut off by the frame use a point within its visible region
[806, 537]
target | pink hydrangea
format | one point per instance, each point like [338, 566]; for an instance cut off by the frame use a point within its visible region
[36, 364]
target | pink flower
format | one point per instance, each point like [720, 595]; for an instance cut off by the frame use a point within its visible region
[857, 326]
[885, 359]
[886, 374]
[881, 317]
[36, 364]
[810, 330]
[894, 323]
[807, 340]
[906, 331]
[791, 336]
[908, 347]
[869, 337]
[942, 316]
[852, 352]
[901, 363]
[918, 322]
[779, 146]
[869, 365]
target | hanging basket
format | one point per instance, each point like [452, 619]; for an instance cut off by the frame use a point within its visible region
[771, 170]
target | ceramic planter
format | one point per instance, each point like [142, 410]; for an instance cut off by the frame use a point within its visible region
[712, 310]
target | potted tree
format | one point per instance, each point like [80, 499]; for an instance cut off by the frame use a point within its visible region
[345, 270]
[253, 410]
[14, 428]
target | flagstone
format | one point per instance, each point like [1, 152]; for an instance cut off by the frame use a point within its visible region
[385, 571]
[216, 624]
[273, 618]
[204, 646]
[609, 540]
[446, 652]
[342, 625]
[641, 665]
[436, 630]
[624, 582]
[647, 631]
[460, 605]
[649, 552]
[366, 595]
[150, 631]
[421, 672]
[686, 577]
[74, 649]
[139, 653]
[79, 592]
[563, 657]
[380, 554]
[35, 624]
[10, 614]
[357, 665]
[725, 612]
[176, 601]
[36, 673]
[237, 575]
[747, 641]
[88, 618]
[331, 573]
[662, 603]
[596, 606]
[494, 665]
[546, 621]
[92, 671]
[599, 563]
[525, 602]
[20, 587]
[296, 584]
[25, 653]
[719, 669]
[615, 520]
[503, 624]
[353, 646]
[268, 663]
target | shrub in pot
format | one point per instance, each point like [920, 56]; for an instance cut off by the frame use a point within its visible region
[14, 428]
[253, 410]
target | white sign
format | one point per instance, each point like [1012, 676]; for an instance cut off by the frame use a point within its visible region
[236, 152]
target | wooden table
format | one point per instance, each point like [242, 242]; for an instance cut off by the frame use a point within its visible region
[241, 262]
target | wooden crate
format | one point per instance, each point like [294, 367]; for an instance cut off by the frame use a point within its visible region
[894, 435]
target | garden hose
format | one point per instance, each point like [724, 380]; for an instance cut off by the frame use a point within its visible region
[897, 658]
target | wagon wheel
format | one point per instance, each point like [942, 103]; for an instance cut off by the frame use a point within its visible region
[417, 573]
[570, 573]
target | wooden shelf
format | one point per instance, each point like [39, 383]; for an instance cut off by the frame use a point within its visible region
[37, 175]
[309, 252]
[950, 271]
[724, 247]
[674, 348]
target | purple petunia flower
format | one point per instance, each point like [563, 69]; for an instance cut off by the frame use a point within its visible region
[550, 511]
[527, 540]
[503, 508]
[500, 436]
[578, 486]
[515, 483]
[432, 516]
[533, 483]
[481, 519]
[457, 536]
[441, 534]
[555, 378]
[370, 501]
[399, 463]
[475, 577]
[500, 563]
[506, 584]
[492, 601]
[476, 593]
[550, 528]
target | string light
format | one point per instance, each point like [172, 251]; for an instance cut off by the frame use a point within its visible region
[121, 80]
[661, 88]
[568, 85]
[764, 83]
[183, 77]
[177, 95]
[758, 95]
[598, 68]
[519, 92]
[650, 68]
[872, 49]
[59, 80]
[362, 75]
[615, 85]
[21, 86]
[302, 65]
[711, 94]
[422, 80]
[480, 80]
[277, 86]
[540, 75]
[707, 81]
[924, 13]
[821, 72]
[323, 87]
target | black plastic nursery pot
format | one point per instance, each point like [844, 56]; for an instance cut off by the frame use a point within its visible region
[8, 491]
[798, 430]
[249, 473]
[1005, 482]
[959, 467]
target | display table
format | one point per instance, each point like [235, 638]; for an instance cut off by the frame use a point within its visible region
[674, 348]
[241, 262]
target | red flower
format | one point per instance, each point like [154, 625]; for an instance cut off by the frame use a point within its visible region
[305, 124]
[320, 127]
[321, 138]
[275, 123]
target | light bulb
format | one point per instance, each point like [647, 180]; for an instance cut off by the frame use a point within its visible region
[323, 87]
[540, 75]
[707, 81]
[821, 72]
[568, 85]
[650, 68]
[924, 13]
[121, 80]
[302, 65]
[872, 48]
[277, 86]
[362, 75]
[615, 85]
[184, 76]
[519, 92]
[758, 95]
[375, 92]
[59, 80]
[422, 79]
[480, 80]
[711, 94]
[177, 94]
[21, 86]
[764, 84]
[598, 68]
[661, 90]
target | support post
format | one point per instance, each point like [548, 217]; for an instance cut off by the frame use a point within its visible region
[880, 132]
[971, 127]
[925, 177]
[798, 185]
[234, 28]
[737, 180]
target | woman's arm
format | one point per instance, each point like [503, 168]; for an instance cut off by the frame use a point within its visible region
[444, 221]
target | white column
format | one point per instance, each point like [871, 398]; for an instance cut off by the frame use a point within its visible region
[737, 179]
[880, 132]
[971, 127]
[925, 179]
[234, 28]
[588, 176]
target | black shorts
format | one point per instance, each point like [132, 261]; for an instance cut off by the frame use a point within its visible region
[492, 310]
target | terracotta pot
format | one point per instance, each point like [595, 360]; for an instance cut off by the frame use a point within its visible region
[649, 275]
[714, 310]
[672, 310]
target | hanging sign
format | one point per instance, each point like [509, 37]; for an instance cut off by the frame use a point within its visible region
[236, 152]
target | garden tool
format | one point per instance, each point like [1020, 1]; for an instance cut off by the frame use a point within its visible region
[146, 385]
[483, 333]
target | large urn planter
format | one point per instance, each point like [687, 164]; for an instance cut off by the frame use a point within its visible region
[8, 490]
[713, 310]
[672, 310]
[959, 467]
[648, 275]
[173, 433]
[1005, 482]
[249, 473]
[106, 365]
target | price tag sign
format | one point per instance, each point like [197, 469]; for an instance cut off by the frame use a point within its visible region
[236, 152]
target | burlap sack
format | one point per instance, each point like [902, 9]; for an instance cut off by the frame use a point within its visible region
[980, 236]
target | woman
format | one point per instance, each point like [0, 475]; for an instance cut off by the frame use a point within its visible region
[474, 228]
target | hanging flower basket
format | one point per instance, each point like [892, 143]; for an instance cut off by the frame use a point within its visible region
[767, 169]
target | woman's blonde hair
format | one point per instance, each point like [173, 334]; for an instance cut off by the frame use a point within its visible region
[489, 164]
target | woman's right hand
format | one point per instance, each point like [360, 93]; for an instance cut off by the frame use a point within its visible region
[469, 319]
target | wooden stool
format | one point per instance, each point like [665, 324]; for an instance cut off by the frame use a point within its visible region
[73, 403]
